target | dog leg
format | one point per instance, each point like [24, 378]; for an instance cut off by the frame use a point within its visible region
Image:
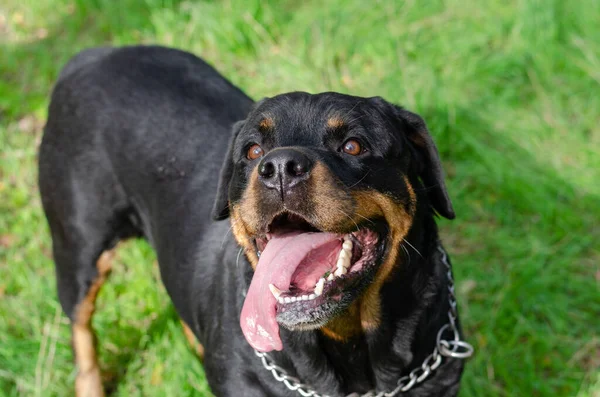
[191, 338]
[88, 382]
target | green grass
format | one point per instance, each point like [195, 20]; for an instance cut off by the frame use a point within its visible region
[510, 90]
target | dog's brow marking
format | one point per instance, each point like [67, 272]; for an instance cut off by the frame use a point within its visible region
[266, 124]
[335, 122]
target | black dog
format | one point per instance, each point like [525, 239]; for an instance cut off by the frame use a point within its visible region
[331, 200]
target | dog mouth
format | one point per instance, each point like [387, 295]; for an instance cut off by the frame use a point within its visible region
[305, 277]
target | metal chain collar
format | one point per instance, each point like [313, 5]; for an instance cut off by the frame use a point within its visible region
[453, 347]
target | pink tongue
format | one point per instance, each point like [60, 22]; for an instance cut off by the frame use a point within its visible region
[276, 265]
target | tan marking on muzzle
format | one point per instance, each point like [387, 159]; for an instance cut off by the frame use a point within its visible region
[366, 310]
[369, 205]
[245, 220]
[332, 205]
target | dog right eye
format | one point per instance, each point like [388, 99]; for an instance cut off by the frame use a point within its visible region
[254, 152]
[352, 147]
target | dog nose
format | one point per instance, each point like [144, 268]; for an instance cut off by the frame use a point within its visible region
[284, 168]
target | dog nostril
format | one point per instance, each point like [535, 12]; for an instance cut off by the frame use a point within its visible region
[295, 168]
[266, 170]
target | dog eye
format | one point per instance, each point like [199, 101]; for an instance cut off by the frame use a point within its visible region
[352, 147]
[254, 152]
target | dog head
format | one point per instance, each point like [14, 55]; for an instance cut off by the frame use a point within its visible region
[321, 191]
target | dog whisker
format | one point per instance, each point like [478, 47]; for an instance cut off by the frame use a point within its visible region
[237, 260]
[427, 188]
[360, 180]
[226, 234]
[405, 251]
[366, 219]
[413, 247]
[349, 217]
[350, 111]
[233, 222]
[356, 118]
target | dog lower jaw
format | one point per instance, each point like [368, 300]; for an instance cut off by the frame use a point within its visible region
[337, 296]
[314, 319]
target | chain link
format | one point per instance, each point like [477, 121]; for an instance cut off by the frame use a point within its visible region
[453, 347]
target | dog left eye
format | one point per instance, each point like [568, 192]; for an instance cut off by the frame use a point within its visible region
[352, 147]
[254, 152]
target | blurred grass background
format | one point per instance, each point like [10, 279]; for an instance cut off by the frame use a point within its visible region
[510, 90]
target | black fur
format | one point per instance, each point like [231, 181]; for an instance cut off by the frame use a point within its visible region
[134, 145]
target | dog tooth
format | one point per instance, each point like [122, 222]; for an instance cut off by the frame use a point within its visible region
[280, 300]
[319, 286]
[340, 271]
[347, 245]
[287, 299]
[330, 277]
[294, 299]
[304, 297]
[343, 262]
[275, 291]
[343, 255]
[347, 264]
[312, 296]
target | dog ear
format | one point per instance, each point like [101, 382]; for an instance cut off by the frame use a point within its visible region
[431, 172]
[221, 206]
